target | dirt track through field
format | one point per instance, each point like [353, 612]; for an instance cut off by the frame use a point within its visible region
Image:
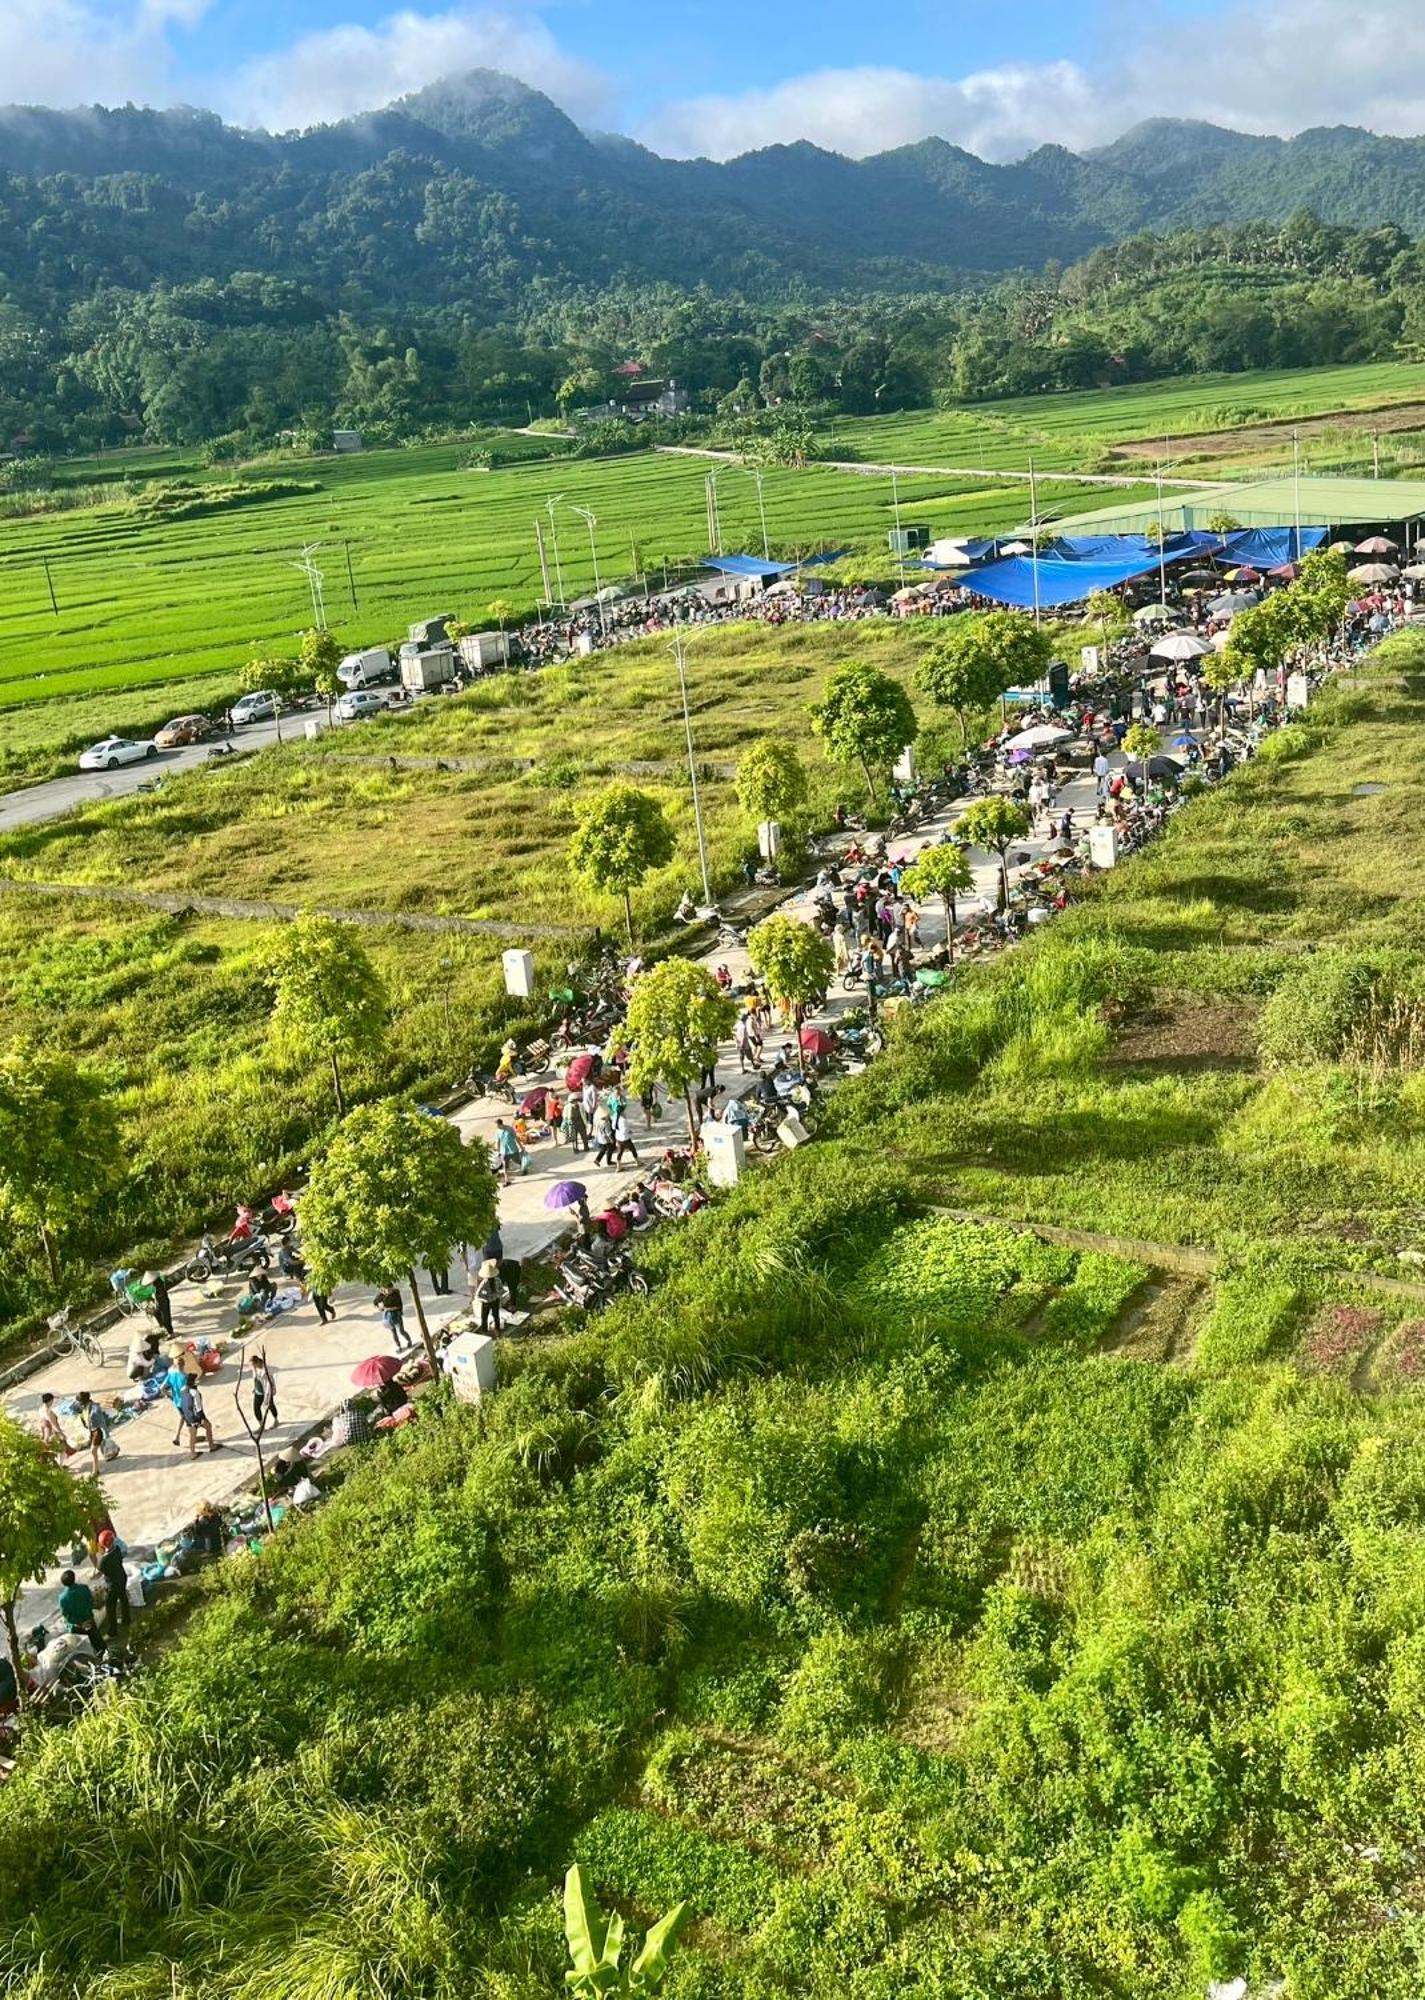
[1256, 437]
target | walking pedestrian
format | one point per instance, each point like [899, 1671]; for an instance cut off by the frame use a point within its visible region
[651, 1099]
[162, 1306]
[98, 1428]
[554, 1112]
[577, 1124]
[487, 1292]
[603, 1137]
[439, 1280]
[392, 1308]
[112, 1568]
[326, 1311]
[509, 1150]
[195, 1419]
[623, 1138]
[749, 1045]
[51, 1429]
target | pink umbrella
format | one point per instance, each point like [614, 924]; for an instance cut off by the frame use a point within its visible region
[376, 1371]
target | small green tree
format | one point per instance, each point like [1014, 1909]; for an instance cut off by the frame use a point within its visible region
[793, 961]
[865, 718]
[396, 1188]
[1143, 742]
[285, 678]
[942, 871]
[772, 782]
[330, 998]
[1223, 524]
[501, 610]
[596, 1946]
[979, 657]
[43, 1507]
[677, 1016]
[994, 824]
[1221, 672]
[321, 655]
[59, 1144]
[621, 834]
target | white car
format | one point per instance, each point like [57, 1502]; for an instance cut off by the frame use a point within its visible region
[258, 707]
[360, 701]
[116, 750]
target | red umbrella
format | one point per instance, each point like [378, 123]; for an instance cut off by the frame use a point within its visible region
[817, 1042]
[376, 1371]
[532, 1103]
[578, 1071]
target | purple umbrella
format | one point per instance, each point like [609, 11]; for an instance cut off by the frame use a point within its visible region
[1020, 756]
[566, 1194]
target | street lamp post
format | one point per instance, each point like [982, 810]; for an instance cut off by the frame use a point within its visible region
[588, 514]
[551, 504]
[679, 653]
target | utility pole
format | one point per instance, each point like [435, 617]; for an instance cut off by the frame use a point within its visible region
[351, 576]
[543, 560]
[49, 584]
[1296, 487]
[896, 512]
[757, 474]
[714, 524]
[1375, 453]
[679, 654]
[588, 514]
[1034, 535]
[1162, 538]
[551, 504]
[309, 569]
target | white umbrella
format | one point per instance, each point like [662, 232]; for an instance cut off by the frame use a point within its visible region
[1375, 545]
[1416, 572]
[1039, 737]
[1016, 548]
[1154, 614]
[1373, 573]
[1221, 641]
[1181, 646]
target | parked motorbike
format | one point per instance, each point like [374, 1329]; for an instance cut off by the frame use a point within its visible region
[223, 1259]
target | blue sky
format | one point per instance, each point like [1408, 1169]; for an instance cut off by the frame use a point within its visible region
[721, 76]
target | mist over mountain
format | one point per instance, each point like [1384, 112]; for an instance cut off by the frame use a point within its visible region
[399, 198]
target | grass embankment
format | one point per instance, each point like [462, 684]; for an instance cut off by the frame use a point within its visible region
[1177, 1127]
[941, 1613]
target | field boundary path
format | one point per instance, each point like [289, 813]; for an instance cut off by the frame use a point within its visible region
[175, 905]
[639, 767]
[1002, 475]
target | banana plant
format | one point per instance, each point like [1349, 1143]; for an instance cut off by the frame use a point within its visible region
[596, 1945]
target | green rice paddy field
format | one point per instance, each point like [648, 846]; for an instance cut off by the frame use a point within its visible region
[156, 616]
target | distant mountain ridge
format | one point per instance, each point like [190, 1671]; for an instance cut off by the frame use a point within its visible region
[483, 156]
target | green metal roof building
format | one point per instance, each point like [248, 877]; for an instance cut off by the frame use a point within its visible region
[1265, 503]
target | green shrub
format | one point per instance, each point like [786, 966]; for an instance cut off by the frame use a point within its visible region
[1251, 1319]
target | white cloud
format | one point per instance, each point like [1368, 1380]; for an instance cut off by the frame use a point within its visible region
[1278, 68]
[997, 113]
[75, 52]
[339, 71]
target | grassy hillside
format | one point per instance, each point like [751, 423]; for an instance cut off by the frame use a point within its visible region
[940, 1612]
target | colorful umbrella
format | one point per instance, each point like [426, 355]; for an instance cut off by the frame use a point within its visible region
[579, 1070]
[1375, 545]
[1181, 646]
[566, 1194]
[817, 1042]
[1245, 575]
[532, 1103]
[376, 1372]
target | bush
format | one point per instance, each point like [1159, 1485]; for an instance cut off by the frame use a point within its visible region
[1251, 1319]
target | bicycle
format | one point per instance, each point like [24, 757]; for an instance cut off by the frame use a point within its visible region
[71, 1339]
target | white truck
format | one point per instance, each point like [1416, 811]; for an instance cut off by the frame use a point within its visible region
[482, 652]
[367, 669]
[427, 667]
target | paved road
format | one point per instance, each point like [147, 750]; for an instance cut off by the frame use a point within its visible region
[87, 788]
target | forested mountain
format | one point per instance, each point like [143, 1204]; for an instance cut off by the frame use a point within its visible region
[469, 251]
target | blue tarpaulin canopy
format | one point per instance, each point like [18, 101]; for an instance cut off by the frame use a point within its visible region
[1269, 548]
[754, 566]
